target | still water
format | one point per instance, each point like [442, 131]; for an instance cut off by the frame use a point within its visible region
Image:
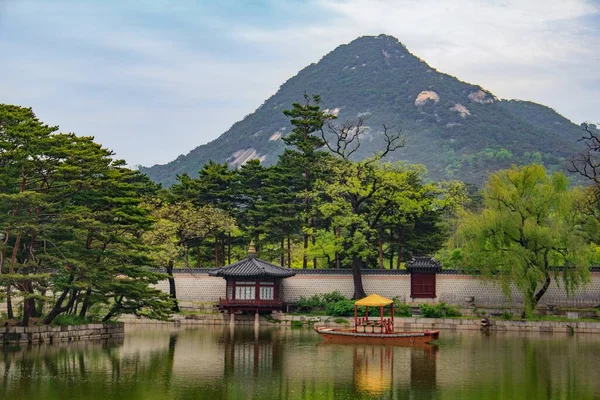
[281, 363]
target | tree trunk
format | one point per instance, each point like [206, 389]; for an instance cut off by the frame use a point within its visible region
[282, 251]
[359, 291]
[32, 309]
[391, 249]
[9, 308]
[400, 252]
[198, 257]
[304, 257]
[114, 309]
[289, 252]
[86, 303]
[187, 254]
[337, 254]
[216, 252]
[172, 289]
[380, 248]
[314, 258]
[58, 308]
[26, 305]
[229, 248]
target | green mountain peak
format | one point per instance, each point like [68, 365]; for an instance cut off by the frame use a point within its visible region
[457, 129]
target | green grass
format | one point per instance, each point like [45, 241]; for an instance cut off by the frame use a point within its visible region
[69, 320]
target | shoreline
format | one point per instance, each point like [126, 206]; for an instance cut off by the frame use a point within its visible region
[400, 323]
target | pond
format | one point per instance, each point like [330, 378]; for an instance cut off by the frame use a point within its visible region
[161, 362]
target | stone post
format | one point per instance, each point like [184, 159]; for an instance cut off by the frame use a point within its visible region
[256, 319]
[231, 319]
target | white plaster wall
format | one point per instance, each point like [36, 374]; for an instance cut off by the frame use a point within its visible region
[450, 288]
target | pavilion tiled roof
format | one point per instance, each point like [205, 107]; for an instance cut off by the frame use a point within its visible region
[423, 264]
[252, 267]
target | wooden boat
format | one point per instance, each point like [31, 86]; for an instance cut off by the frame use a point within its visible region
[375, 331]
[333, 335]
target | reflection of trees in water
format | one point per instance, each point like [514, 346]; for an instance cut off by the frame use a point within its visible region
[256, 354]
[278, 363]
[30, 370]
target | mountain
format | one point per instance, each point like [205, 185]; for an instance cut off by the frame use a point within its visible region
[457, 129]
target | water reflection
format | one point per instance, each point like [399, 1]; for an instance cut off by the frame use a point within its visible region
[222, 363]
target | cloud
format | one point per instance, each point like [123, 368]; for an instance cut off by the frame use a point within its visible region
[154, 81]
[516, 48]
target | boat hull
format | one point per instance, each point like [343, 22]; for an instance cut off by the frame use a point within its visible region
[332, 335]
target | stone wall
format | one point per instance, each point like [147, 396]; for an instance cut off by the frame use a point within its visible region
[451, 287]
[53, 334]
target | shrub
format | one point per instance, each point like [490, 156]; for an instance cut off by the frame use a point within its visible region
[431, 311]
[449, 310]
[345, 308]
[69, 319]
[439, 310]
[306, 303]
[297, 324]
[506, 315]
[320, 301]
[333, 297]
[402, 310]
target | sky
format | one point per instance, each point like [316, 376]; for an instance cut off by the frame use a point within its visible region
[154, 79]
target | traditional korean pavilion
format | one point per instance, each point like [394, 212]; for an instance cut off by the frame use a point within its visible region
[253, 285]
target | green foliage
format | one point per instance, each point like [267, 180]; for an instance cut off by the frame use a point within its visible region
[507, 315]
[70, 320]
[439, 310]
[306, 303]
[531, 223]
[297, 324]
[401, 309]
[333, 297]
[345, 308]
[320, 301]
[72, 219]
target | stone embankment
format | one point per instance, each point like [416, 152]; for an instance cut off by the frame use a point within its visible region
[55, 334]
[401, 324]
[419, 324]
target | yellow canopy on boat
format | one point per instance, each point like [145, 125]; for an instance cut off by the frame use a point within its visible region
[373, 300]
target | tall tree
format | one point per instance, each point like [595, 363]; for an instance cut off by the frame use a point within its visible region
[70, 220]
[307, 120]
[357, 200]
[357, 190]
[530, 226]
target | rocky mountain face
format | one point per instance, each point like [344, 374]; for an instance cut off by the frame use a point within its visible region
[457, 129]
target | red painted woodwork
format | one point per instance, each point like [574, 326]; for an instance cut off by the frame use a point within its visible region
[234, 304]
[422, 286]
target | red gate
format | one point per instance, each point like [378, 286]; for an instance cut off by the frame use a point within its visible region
[422, 286]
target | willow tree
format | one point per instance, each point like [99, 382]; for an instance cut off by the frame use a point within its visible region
[529, 232]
